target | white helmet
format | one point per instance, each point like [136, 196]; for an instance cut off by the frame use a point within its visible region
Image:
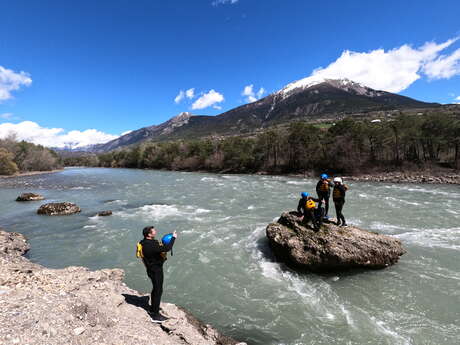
[337, 179]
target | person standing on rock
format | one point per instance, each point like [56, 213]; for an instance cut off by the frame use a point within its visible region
[323, 189]
[338, 196]
[154, 255]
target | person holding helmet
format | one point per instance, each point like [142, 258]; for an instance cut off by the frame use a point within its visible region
[308, 210]
[153, 256]
[338, 196]
[323, 189]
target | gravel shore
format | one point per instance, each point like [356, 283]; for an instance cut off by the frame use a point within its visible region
[77, 306]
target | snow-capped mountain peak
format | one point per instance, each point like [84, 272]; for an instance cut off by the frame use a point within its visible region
[343, 83]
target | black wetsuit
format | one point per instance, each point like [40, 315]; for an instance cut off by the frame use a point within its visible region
[324, 192]
[154, 257]
[338, 195]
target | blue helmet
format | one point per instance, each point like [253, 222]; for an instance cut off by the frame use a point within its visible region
[304, 194]
[324, 176]
[167, 239]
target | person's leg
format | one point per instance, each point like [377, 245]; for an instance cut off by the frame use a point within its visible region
[320, 197]
[156, 275]
[344, 223]
[326, 205]
[338, 211]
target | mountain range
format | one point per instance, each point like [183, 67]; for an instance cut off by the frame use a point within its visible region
[303, 100]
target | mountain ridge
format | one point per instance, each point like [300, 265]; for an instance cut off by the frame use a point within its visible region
[300, 100]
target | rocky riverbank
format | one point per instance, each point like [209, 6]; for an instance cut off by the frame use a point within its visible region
[400, 177]
[31, 173]
[77, 306]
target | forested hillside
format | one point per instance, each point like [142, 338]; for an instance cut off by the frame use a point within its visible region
[347, 146]
[20, 156]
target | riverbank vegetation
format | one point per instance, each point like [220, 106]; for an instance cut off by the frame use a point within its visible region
[20, 156]
[347, 146]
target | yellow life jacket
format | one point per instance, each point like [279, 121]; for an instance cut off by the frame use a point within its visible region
[139, 253]
[337, 193]
[310, 204]
[324, 187]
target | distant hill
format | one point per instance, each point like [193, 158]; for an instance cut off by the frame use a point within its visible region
[302, 100]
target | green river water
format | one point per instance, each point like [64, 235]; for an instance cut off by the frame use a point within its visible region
[222, 269]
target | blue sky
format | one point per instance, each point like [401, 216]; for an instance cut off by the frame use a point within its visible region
[116, 65]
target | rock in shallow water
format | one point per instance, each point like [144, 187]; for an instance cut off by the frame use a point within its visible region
[29, 197]
[104, 213]
[58, 209]
[333, 248]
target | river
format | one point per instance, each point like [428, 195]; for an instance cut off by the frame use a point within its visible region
[222, 269]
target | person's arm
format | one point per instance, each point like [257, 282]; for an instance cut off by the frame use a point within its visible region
[299, 206]
[318, 185]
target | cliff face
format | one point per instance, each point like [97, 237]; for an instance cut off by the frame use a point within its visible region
[332, 248]
[77, 306]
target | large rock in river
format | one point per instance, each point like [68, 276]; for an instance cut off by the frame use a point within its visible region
[332, 248]
[58, 209]
[29, 197]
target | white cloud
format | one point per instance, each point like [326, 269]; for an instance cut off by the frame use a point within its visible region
[190, 93]
[223, 2]
[444, 67]
[393, 70]
[179, 97]
[207, 100]
[250, 95]
[12, 81]
[54, 137]
[457, 98]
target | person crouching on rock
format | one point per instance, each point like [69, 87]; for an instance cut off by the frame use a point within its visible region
[338, 196]
[323, 189]
[154, 255]
[307, 210]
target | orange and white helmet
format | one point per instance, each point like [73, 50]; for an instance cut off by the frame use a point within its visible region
[338, 179]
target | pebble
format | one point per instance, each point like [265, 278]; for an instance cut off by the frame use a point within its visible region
[79, 330]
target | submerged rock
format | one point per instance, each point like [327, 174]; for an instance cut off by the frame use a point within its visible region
[332, 248]
[58, 209]
[104, 213]
[74, 305]
[29, 197]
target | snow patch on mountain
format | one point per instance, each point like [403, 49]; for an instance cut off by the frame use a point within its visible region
[344, 84]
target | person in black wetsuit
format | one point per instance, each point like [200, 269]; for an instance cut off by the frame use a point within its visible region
[323, 189]
[154, 255]
[338, 196]
[307, 209]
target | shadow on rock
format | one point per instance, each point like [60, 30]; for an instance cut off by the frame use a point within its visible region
[138, 301]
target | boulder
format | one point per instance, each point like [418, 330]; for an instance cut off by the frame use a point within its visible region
[105, 213]
[58, 209]
[29, 197]
[13, 243]
[333, 248]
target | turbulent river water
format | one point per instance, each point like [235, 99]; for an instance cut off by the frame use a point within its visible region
[222, 269]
